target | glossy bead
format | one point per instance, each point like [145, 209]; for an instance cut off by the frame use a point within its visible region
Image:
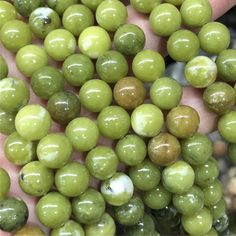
[178, 177]
[92, 4]
[53, 210]
[15, 34]
[3, 66]
[129, 39]
[113, 122]
[218, 210]
[165, 93]
[7, 122]
[76, 18]
[29, 229]
[60, 5]
[18, 150]
[144, 6]
[129, 93]
[211, 232]
[25, 7]
[183, 45]
[94, 41]
[89, 207]
[5, 183]
[221, 225]
[95, 95]
[175, 2]
[59, 44]
[214, 37]
[63, 107]
[83, 133]
[7, 12]
[182, 121]
[33, 122]
[165, 19]
[35, 179]
[43, 20]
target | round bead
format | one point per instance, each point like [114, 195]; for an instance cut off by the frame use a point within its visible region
[92, 4]
[7, 12]
[7, 122]
[29, 229]
[232, 152]
[218, 210]
[144, 6]
[60, 5]
[25, 7]
[94, 41]
[175, 2]
[5, 183]
[3, 66]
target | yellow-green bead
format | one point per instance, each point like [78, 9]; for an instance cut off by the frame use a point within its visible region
[144, 6]
[7, 122]
[7, 12]
[60, 5]
[175, 2]
[5, 183]
[3, 67]
[92, 4]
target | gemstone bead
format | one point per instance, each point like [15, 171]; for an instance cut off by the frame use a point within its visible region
[7, 12]
[5, 183]
[3, 67]
[144, 6]
[60, 5]
[7, 122]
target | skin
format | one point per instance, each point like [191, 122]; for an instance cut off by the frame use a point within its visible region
[190, 97]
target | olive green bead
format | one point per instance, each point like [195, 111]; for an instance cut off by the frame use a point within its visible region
[15, 34]
[211, 232]
[175, 2]
[72, 179]
[232, 152]
[60, 5]
[5, 183]
[144, 6]
[89, 207]
[30, 229]
[19, 150]
[7, 122]
[7, 12]
[92, 4]
[35, 179]
[3, 67]
[53, 210]
[218, 210]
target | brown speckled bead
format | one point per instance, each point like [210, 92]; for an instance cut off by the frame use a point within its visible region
[129, 93]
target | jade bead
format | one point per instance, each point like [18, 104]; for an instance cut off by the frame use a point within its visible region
[178, 177]
[232, 152]
[111, 66]
[53, 210]
[211, 232]
[164, 149]
[54, 150]
[59, 44]
[110, 14]
[183, 45]
[19, 150]
[5, 183]
[218, 210]
[72, 179]
[129, 39]
[131, 150]
[76, 18]
[43, 20]
[145, 176]
[94, 41]
[129, 92]
[29, 229]
[105, 227]
[7, 122]
[33, 122]
[63, 107]
[144, 6]
[60, 5]
[14, 94]
[221, 225]
[227, 126]
[113, 122]
[214, 37]
[117, 190]
[95, 95]
[36, 179]
[165, 19]
[15, 34]
[200, 72]
[148, 65]
[89, 207]
[83, 133]
[175, 2]
[92, 4]
[199, 223]
[25, 7]
[3, 66]
[13, 214]
[165, 93]
[7, 12]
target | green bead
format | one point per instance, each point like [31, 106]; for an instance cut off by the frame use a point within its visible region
[13, 214]
[218, 210]
[199, 223]
[5, 183]
[95, 95]
[165, 19]
[60, 5]
[30, 229]
[144, 6]
[232, 152]
[89, 207]
[15, 34]
[33, 122]
[92, 4]
[3, 66]
[54, 150]
[113, 122]
[110, 14]
[83, 133]
[175, 2]
[211, 232]
[200, 72]
[35, 179]
[129, 39]
[214, 37]
[145, 176]
[183, 45]
[117, 190]
[76, 18]
[14, 94]
[196, 13]
[94, 41]
[148, 65]
[53, 210]
[131, 150]
[221, 225]
[7, 122]
[165, 93]
[178, 177]
[18, 150]
[59, 44]
[43, 20]
[111, 66]
[131, 212]
[7, 12]
[105, 227]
